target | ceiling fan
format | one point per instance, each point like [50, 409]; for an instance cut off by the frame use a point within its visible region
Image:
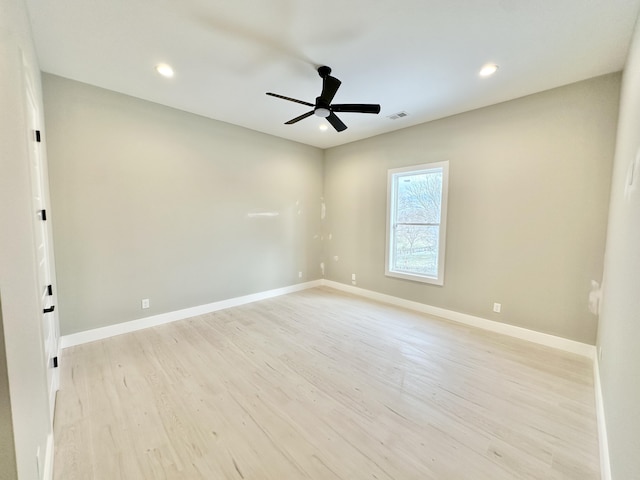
[323, 107]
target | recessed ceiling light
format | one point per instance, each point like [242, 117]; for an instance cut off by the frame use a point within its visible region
[164, 70]
[488, 70]
[323, 127]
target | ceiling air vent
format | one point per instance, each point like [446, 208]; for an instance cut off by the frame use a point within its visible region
[398, 115]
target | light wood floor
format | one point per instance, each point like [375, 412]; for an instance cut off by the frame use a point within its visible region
[322, 385]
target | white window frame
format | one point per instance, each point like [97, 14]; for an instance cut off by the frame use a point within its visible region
[393, 175]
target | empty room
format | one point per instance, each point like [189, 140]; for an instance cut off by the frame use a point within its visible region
[303, 240]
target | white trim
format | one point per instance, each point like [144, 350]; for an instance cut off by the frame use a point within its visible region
[87, 336]
[603, 442]
[55, 383]
[553, 341]
[517, 332]
[48, 460]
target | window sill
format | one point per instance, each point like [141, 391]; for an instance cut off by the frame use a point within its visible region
[416, 278]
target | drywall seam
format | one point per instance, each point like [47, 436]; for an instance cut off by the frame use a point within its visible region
[553, 341]
[262, 214]
[603, 439]
[87, 336]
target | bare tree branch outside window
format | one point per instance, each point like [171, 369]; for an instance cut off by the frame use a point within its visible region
[417, 222]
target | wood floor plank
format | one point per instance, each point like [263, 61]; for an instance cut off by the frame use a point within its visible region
[323, 385]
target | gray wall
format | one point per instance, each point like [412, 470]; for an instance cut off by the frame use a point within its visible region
[528, 195]
[21, 315]
[619, 329]
[8, 469]
[151, 202]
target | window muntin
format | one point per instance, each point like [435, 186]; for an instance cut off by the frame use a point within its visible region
[416, 222]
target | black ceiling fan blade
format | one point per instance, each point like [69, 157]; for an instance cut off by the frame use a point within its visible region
[291, 99]
[330, 86]
[356, 107]
[301, 117]
[336, 122]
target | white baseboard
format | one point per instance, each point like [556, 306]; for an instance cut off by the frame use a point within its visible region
[47, 474]
[603, 442]
[483, 323]
[155, 320]
[511, 330]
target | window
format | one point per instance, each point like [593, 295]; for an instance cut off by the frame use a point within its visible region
[416, 222]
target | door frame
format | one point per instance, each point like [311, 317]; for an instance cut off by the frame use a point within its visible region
[35, 134]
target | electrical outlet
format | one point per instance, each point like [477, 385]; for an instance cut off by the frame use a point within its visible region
[497, 307]
[353, 277]
[299, 274]
[145, 303]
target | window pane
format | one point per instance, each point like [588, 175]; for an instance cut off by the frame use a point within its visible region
[416, 226]
[419, 197]
[416, 249]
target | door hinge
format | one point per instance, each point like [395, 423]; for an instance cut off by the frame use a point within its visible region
[49, 310]
[43, 215]
[54, 362]
[38, 136]
[49, 290]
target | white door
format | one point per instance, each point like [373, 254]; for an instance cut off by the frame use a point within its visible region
[43, 247]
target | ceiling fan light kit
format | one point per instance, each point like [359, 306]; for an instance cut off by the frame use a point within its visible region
[323, 107]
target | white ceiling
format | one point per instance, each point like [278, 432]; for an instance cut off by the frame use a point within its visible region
[418, 56]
